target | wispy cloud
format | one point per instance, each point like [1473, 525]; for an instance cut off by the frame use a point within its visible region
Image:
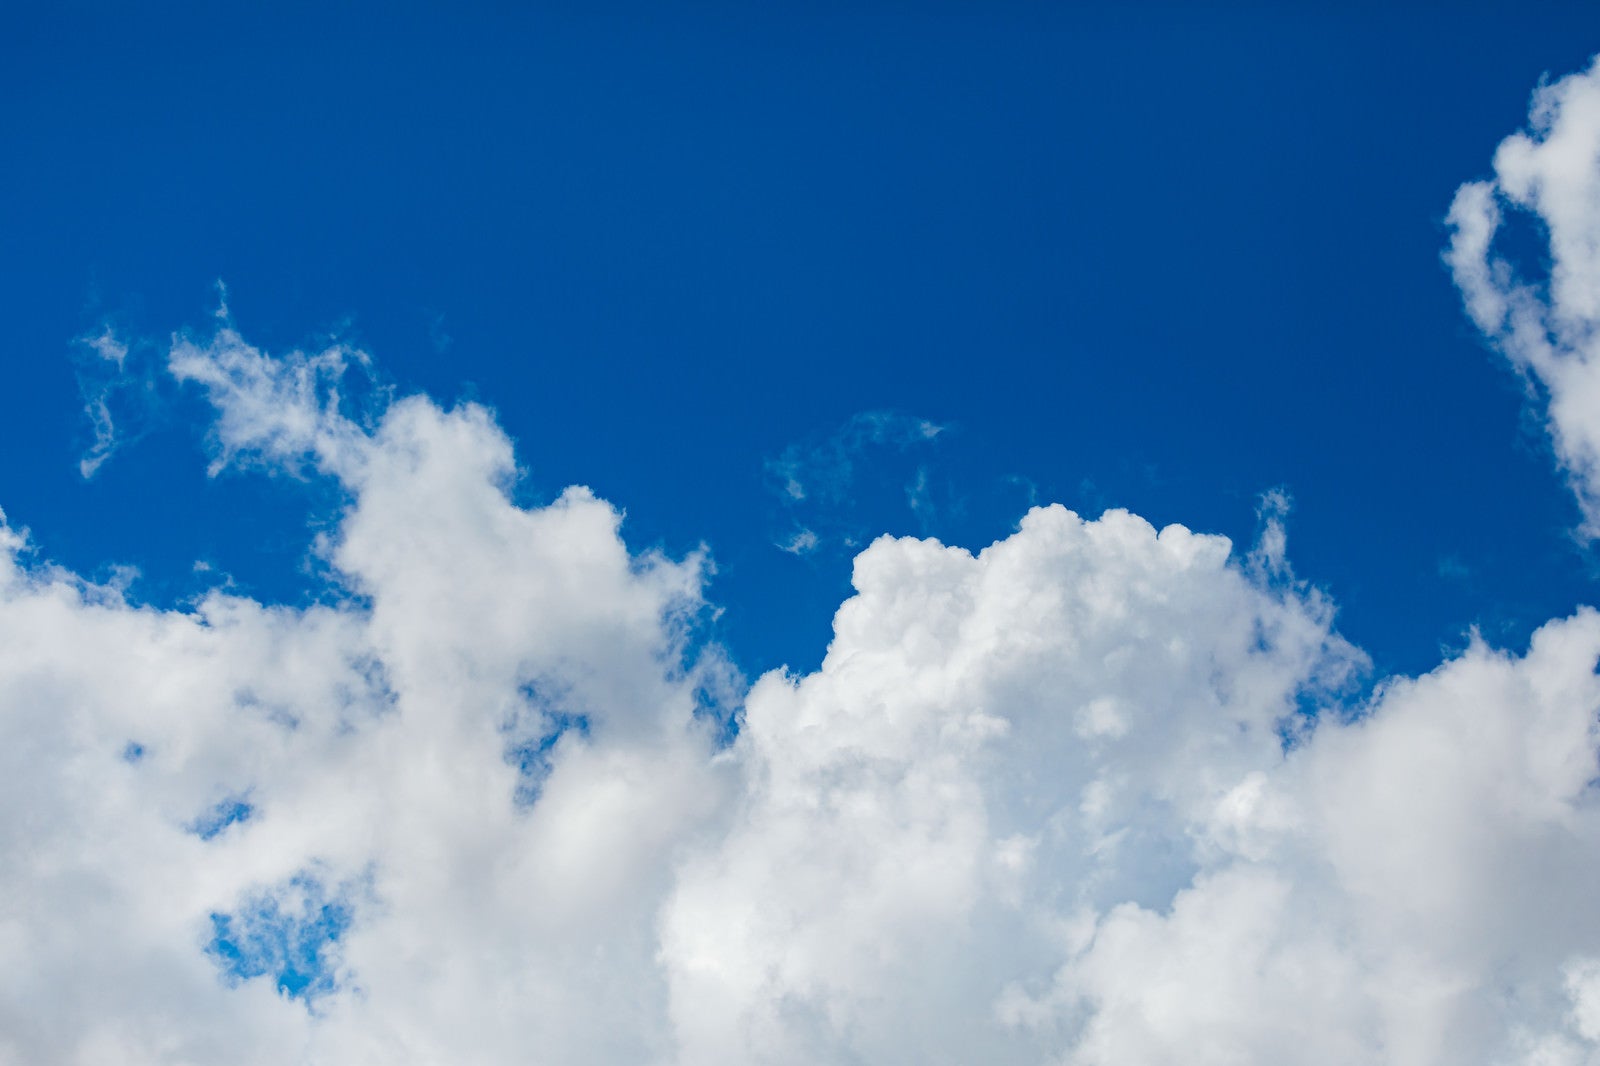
[801, 542]
[1548, 325]
[824, 469]
[103, 376]
[438, 336]
[815, 480]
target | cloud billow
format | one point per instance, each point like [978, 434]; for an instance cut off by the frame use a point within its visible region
[1096, 794]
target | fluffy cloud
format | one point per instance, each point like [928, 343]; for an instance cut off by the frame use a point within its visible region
[1548, 326]
[442, 809]
[1096, 794]
[997, 750]
[1048, 804]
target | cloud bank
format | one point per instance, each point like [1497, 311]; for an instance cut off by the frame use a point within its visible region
[1097, 794]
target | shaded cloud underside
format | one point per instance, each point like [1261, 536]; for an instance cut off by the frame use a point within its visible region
[1059, 801]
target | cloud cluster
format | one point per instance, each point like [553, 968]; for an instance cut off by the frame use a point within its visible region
[1050, 803]
[1097, 794]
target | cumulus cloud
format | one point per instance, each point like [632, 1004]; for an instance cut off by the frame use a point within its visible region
[462, 783]
[1546, 324]
[998, 750]
[1095, 794]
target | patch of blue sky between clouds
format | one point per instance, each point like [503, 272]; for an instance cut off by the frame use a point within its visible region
[230, 811]
[289, 934]
[533, 756]
[719, 687]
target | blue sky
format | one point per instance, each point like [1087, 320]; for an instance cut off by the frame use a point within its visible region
[695, 534]
[1152, 258]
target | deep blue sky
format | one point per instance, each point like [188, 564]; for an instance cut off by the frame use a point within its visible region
[1154, 258]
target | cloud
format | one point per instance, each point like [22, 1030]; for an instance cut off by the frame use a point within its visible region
[1095, 794]
[998, 750]
[802, 542]
[107, 347]
[1040, 804]
[388, 892]
[283, 412]
[98, 379]
[1547, 326]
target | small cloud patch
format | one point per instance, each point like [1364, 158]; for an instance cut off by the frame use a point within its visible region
[803, 542]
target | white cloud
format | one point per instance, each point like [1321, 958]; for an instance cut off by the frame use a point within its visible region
[1061, 801]
[1547, 326]
[929, 830]
[106, 345]
[383, 746]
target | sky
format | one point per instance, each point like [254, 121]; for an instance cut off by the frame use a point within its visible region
[800, 534]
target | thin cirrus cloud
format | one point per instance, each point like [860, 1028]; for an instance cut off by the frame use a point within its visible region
[814, 480]
[100, 376]
[1098, 793]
